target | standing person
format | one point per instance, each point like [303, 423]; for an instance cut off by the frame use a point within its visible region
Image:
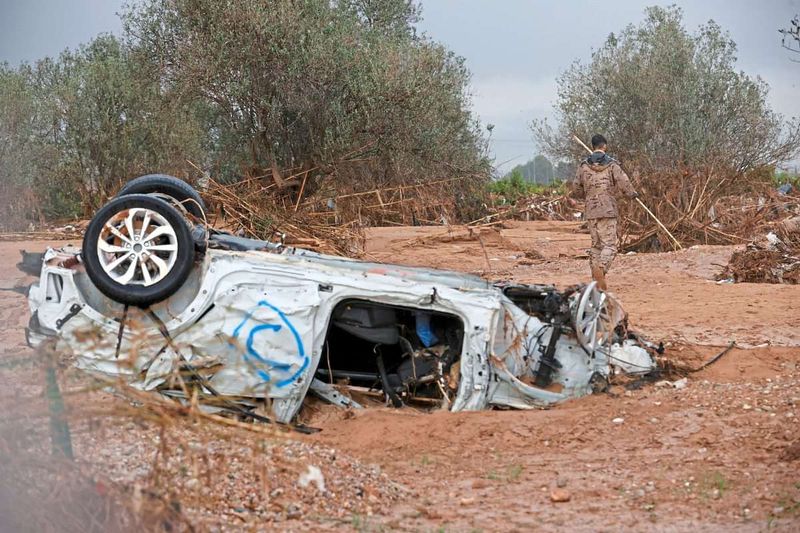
[598, 179]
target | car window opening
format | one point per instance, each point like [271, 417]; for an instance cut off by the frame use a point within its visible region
[408, 355]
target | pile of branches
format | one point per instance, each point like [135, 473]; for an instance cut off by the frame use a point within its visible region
[764, 264]
[543, 206]
[252, 209]
[441, 201]
[776, 259]
[315, 210]
[703, 207]
[555, 205]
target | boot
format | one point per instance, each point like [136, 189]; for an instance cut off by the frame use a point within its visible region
[599, 275]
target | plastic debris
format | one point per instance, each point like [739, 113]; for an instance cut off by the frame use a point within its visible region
[312, 475]
[631, 358]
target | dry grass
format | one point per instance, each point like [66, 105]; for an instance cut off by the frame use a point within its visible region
[99, 456]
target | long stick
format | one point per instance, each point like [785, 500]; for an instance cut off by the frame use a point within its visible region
[582, 143]
[300, 194]
[662, 226]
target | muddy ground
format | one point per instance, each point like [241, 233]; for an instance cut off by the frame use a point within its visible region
[721, 453]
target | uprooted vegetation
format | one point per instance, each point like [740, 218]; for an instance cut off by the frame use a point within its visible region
[772, 259]
[758, 264]
[331, 218]
[702, 208]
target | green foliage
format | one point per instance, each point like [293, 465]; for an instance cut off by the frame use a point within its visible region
[77, 127]
[18, 148]
[344, 89]
[310, 84]
[667, 99]
[782, 177]
[116, 122]
[541, 170]
[364, 524]
[512, 473]
[714, 482]
[514, 186]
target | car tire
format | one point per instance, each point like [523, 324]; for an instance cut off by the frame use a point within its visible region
[170, 187]
[138, 250]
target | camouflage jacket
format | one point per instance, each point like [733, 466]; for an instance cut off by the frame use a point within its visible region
[598, 179]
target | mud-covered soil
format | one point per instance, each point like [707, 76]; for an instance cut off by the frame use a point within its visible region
[671, 296]
[722, 453]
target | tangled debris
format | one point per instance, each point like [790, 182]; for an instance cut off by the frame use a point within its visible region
[775, 259]
[555, 205]
[702, 208]
[757, 264]
[316, 208]
[67, 232]
[248, 209]
[327, 219]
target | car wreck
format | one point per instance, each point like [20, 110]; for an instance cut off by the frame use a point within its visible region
[158, 299]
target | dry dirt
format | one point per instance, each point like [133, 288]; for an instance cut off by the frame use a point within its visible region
[721, 453]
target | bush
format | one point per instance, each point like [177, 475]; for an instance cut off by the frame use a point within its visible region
[514, 186]
[782, 178]
[670, 100]
[81, 125]
[344, 90]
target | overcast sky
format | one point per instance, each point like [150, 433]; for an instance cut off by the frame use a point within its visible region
[514, 48]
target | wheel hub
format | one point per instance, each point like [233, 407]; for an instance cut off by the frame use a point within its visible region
[592, 318]
[137, 246]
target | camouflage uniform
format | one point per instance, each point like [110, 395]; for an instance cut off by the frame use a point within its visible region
[599, 177]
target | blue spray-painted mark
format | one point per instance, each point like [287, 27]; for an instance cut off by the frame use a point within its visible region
[252, 353]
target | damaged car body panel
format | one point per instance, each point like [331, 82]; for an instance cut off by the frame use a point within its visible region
[160, 300]
[267, 324]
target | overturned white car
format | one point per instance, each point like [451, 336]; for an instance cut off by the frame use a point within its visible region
[156, 298]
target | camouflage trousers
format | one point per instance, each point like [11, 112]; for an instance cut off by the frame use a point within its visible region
[604, 242]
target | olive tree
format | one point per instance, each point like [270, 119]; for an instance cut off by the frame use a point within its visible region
[347, 88]
[110, 120]
[669, 99]
[74, 128]
[19, 149]
[343, 89]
